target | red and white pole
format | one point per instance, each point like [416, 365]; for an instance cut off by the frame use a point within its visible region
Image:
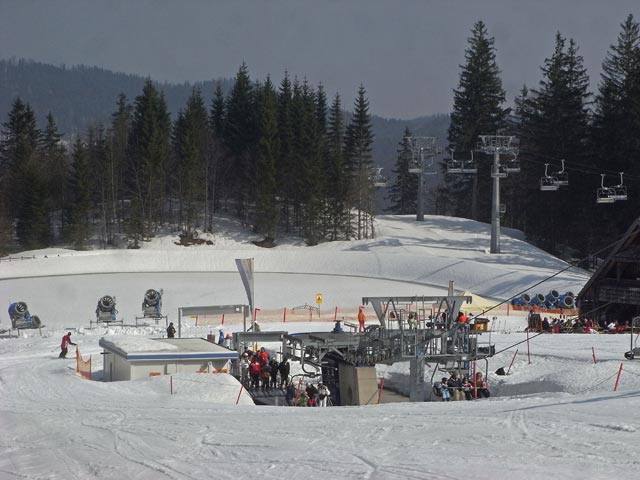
[615, 388]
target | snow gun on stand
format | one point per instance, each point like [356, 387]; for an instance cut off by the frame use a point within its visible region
[21, 318]
[106, 309]
[551, 298]
[152, 305]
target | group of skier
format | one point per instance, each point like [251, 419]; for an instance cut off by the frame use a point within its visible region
[456, 388]
[260, 371]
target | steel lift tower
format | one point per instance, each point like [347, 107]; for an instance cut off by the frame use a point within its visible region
[498, 145]
[423, 150]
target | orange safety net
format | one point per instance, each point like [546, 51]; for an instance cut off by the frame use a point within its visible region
[83, 367]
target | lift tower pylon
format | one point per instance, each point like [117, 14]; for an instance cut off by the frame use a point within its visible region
[422, 148]
[497, 145]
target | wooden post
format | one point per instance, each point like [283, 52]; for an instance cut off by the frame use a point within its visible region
[171, 384]
[284, 315]
[528, 350]
[593, 352]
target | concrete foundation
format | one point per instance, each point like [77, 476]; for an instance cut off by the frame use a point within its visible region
[358, 385]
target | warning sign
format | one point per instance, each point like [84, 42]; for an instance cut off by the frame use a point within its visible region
[318, 298]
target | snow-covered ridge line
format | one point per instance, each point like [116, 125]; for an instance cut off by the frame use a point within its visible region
[407, 267]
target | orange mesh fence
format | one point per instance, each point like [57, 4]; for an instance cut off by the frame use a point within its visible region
[83, 367]
[300, 314]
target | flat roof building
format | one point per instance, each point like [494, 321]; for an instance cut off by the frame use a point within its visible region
[130, 357]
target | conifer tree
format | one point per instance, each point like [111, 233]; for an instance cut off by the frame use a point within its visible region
[337, 179]
[240, 138]
[217, 166]
[80, 194]
[22, 177]
[477, 110]
[357, 152]
[285, 164]
[404, 191]
[191, 142]
[268, 152]
[616, 125]
[56, 164]
[557, 128]
[117, 160]
[148, 160]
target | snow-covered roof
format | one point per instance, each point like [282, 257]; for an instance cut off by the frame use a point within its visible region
[134, 348]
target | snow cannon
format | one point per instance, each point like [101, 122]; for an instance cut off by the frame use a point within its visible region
[20, 316]
[569, 294]
[152, 303]
[522, 300]
[551, 298]
[537, 299]
[565, 301]
[106, 309]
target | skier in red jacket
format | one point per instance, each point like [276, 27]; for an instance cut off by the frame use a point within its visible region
[66, 341]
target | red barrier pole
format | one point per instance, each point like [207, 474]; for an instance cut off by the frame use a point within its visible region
[380, 390]
[222, 323]
[239, 393]
[512, 360]
[335, 314]
[593, 351]
[615, 388]
[310, 314]
[528, 351]
[171, 384]
[284, 315]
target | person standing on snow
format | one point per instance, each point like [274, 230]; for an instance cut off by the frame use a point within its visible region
[66, 341]
[323, 394]
[171, 331]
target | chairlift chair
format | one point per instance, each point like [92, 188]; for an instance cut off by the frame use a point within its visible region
[513, 165]
[469, 166]
[561, 177]
[620, 191]
[453, 165]
[378, 179]
[605, 194]
[548, 183]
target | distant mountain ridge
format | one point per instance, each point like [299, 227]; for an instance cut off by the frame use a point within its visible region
[81, 95]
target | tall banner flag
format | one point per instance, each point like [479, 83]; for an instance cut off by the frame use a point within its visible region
[245, 267]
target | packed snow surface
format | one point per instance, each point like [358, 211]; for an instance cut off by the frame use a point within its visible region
[556, 415]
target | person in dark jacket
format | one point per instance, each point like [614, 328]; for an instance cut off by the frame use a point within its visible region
[290, 395]
[66, 341]
[273, 363]
[171, 331]
[284, 368]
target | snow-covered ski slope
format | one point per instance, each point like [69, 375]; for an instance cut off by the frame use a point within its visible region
[555, 416]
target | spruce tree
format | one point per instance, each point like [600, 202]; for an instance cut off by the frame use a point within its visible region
[56, 164]
[240, 139]
[80, 194]
[616, 125]
[357, 152]
[477, 110]
[285, 164]
[268, 152]
[403, 193]
[336, 176]
[557, 128]
[117, 159]
[193, 140]
[148, 161]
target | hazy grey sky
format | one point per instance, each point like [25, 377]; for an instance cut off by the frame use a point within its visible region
[406, 52]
